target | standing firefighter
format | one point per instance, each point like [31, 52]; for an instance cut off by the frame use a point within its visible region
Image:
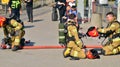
[112, 31]
[74, 43]
[13, 32]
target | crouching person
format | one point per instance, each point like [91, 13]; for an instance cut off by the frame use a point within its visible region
[13, 32]
[74, 44]
[112, 31]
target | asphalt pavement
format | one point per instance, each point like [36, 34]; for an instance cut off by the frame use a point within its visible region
[43, 31]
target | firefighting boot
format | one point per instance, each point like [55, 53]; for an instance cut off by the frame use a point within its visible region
[15, 48]
[22, 42]
[66, 52]
[74, 58]
[102, 52]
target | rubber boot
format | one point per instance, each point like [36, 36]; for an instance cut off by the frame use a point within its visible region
[22, 42]
[66, 52]
[15, 48]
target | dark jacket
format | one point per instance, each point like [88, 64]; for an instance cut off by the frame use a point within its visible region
[61, 7]
[29, 3]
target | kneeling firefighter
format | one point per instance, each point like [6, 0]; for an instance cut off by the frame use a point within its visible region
[74, 44]
[13, 32]
[112, 31]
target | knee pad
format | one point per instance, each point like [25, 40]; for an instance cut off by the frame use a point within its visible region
[103, 52]
[115, 51]
[66, 52]
[78, 54]
[22, 42]
[74, 53]
[107, 50]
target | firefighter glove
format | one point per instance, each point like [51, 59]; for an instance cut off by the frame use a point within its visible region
[12, 33]
[5, 40]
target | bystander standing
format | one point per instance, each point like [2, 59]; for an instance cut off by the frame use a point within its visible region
[29, 8]
[62, 8]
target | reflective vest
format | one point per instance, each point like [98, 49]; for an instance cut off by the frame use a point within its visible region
[68, 36]
[15, 4]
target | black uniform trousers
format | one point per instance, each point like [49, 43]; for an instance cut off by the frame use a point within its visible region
[16, 13]
[30, 13]
[61, 14]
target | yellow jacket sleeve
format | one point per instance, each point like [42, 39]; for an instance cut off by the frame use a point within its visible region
[111, 27]
[16, 25]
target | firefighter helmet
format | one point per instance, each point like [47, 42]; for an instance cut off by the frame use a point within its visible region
[2, 20]
[92, 32]
[3, 46]
[92, 54]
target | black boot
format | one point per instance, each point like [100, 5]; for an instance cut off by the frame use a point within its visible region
[15, 48]
[67, 56]
[74, 58]
[22, 42]
[103, 52]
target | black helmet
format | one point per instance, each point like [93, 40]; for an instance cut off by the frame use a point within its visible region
[92, 54]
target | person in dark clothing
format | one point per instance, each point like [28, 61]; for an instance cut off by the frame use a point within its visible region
[15, 8]
[56, 0]
[29, 8]
[62, 8]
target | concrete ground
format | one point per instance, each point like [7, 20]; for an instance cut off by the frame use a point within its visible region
[51, 58]
[43, 31]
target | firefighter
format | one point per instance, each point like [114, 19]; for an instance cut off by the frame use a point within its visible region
[112, 31]
[13, 32]
[74, 44]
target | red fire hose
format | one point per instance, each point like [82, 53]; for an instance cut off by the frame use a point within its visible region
[57, 47]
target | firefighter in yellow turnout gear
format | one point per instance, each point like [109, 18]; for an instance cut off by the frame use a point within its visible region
[74, 44]
[112, 31]
[13, 31]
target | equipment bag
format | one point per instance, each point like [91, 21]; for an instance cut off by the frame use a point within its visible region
[61, 33]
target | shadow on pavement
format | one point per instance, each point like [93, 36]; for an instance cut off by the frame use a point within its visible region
[29, 26]
[37, 20]
[30, 44]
